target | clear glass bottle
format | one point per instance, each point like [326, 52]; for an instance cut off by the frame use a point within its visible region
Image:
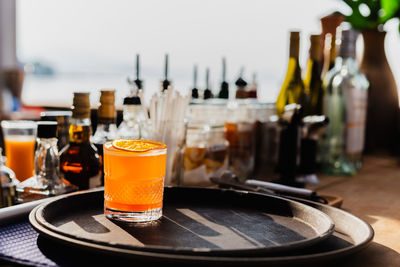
[8, 183]
[46, 181]
[345, 104]
[135, 124]
[80, 162]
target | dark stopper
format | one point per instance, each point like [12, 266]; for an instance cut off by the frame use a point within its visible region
[47, 129]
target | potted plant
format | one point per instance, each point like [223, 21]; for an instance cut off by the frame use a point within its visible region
[369, 16]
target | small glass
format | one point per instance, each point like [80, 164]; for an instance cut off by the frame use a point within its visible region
[134, 183]
[19, 140]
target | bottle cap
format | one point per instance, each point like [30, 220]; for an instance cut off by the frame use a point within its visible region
[81, 106]
[240, 82]
[107, 104]
[47, 129]
[132, 100]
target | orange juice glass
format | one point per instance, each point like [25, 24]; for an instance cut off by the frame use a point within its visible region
[134, 180]
[19, 140]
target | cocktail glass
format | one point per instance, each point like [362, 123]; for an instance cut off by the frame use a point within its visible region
[19, 140]
[134, 182]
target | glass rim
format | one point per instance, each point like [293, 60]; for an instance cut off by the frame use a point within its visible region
[18, 124]
[108, 146]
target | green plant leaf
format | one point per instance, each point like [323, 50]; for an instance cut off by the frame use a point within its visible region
[390, 8]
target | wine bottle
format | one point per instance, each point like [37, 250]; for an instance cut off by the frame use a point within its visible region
[224, 92]
[329, 25]
[292, 87]
[207, 92]
[312, 81]
[195, 91]
[345, 105]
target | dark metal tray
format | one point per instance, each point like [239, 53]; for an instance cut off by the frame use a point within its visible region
[208, 222]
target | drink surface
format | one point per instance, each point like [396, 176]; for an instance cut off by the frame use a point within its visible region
[20, 155]
[134, 181]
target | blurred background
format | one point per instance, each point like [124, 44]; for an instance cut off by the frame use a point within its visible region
[67, 46]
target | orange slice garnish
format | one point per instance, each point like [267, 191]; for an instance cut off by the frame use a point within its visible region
[137, 145]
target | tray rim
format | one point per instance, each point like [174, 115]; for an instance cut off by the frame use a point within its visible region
[192, 251]
[312, 257]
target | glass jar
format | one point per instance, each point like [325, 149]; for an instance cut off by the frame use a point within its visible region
[240, 133]
[205, 154]
[266, 139]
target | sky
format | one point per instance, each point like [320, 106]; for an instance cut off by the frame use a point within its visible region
[100, 38]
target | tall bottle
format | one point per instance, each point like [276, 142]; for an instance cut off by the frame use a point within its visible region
[329, 25]
[195, 90]
[46, 181]
[79, 160]
[207, 92]
[312, 80]
[292, 87]
[345, 103]
[224, 91]
[106, 123]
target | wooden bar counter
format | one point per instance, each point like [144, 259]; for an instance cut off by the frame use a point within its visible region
[373, 195]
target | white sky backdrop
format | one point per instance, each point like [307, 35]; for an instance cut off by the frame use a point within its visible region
[92, 43]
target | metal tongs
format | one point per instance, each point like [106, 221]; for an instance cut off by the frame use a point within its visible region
[229, 180]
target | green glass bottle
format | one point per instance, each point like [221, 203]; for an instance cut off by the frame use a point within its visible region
[292, 90]
[312, 80]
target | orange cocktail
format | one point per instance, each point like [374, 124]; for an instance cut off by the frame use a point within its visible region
[20, 155]
[134, 173]
[19, 141]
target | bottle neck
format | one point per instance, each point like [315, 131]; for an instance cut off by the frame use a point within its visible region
[47, 162]
[80, 130]
[294, 48]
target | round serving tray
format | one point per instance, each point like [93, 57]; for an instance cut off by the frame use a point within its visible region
[196, 221]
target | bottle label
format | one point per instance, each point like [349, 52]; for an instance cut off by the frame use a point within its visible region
[356, 105]
[95, 181]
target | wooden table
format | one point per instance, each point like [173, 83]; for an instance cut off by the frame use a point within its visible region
[373, 195]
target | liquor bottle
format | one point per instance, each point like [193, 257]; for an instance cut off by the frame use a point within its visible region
[224, 92]
[345, 103]
[329, 26]
[241, 85]
[46, 181]
[207, 92]
[195, 91]
[166, 82]
[312, 81]
[135, 124]
[252, 91]
[292, 87]
[106, 123]
[79, 160]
